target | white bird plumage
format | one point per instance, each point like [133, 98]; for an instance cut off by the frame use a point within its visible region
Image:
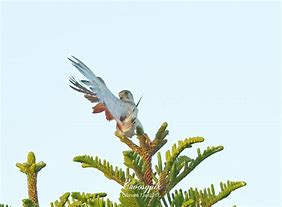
[122, 109]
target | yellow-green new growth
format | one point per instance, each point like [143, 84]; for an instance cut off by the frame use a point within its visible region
[116, 174]
[31, 169]
[203, 198]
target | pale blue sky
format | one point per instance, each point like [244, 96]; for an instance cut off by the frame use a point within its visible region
[208, 69]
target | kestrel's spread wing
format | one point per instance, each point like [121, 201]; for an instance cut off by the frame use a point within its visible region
[98, 92]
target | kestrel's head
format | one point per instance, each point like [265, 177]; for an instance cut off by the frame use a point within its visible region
[126, 95]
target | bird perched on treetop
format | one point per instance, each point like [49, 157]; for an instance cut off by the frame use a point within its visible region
[122, 109]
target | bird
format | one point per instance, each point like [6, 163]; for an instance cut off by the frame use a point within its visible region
[122, 109]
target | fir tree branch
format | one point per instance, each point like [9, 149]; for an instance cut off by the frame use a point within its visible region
[62, 201]
[226, 189]
[138, 194]
[134, 161]
[105, 167]
[31, 169]
[128, 142]
[144, 150]
[159, 140]
[170, 170]
[176, 150]
[159, 166]
[148, 174]
[85, 197]
[146, 153]
[190, 165]
[29, 203]
[145, 142]
[202, 198]
[83, 200]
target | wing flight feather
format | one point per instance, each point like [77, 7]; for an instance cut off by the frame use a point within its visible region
[98, 88]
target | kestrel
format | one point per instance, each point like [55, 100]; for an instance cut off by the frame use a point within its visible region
[122, 109]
